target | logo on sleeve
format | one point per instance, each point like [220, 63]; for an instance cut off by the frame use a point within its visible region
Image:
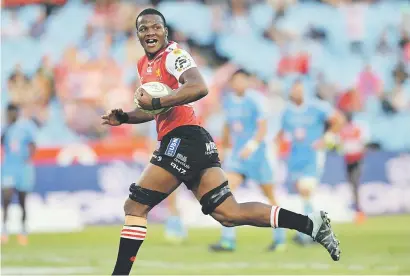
[172, 147]
[182, 63]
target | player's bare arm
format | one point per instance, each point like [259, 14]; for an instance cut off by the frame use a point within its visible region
[117, 117]
[32, 149]
[193, 88]
[336, 121]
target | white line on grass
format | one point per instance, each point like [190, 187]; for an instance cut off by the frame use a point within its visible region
[257, 265]
[45, 270]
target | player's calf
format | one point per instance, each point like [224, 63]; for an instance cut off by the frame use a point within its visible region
[133, 233]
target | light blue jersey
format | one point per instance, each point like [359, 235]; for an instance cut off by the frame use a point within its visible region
[17, 172]
[242, 116]
[303, 126]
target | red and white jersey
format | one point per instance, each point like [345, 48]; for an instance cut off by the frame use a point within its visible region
[166, 67]
[353, 142]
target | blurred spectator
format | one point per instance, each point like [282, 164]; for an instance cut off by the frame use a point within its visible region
[133, 49]
[349, 101]
[398, 98]
[404, 39]
[19, 87]
[369, 83]
[383, 46]
[238, 20]
[354, 15]
[293, 63]
[39, 26]
[14, 26]
[325, 90]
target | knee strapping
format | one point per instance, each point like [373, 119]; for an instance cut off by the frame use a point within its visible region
[146, 196]
[214, 198]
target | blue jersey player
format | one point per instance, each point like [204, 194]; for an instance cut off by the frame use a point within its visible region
[245, 131]
[17, 174]
[303, 123]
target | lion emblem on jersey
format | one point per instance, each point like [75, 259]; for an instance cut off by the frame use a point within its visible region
[182, 63]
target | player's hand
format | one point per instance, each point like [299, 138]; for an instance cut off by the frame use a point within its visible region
[319, 144]
[144, 100]
[112, 118]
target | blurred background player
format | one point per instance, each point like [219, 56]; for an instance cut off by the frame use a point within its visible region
[175, 231]
[303, 123]
[245, 130]
[353, 143]
[17, 174]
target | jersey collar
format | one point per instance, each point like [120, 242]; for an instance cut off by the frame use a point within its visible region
[160, 52]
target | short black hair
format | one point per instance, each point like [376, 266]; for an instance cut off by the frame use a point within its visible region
[240, 71]
[150, 11]
[12, 107]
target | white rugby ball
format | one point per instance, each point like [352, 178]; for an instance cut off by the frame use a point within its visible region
[156, 90]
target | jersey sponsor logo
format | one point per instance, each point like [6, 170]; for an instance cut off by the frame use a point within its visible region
[172, 147]
[182, 63]
[181, 159]
[177, 51]
[210, 148]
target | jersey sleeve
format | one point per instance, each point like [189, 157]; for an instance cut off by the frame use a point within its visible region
[179, 61]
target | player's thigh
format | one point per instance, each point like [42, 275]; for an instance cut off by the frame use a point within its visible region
[6, 195]
[154, 185]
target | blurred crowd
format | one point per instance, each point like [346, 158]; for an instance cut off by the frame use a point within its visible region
[76, 76]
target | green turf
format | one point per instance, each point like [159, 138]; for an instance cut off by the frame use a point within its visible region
[380, 246]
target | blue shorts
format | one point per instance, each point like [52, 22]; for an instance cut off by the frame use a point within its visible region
[257, 167]
[308, 170]
[21, 179]
[310, 166]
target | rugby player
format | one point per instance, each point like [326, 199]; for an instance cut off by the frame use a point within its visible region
[245, 130]
[17, 170]
[303, 124]
[187, 153]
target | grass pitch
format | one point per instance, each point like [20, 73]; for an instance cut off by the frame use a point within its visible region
[380, 246]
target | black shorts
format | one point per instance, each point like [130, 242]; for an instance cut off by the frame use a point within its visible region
[353, 166]
[185, 152]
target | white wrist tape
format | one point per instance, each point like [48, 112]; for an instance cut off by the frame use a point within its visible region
[252, 145]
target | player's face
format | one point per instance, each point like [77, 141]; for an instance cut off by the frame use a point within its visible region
[239, 83]
[297, 93]
[151, 33]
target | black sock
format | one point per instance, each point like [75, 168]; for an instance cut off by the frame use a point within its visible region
[132, 237]
[291, 220]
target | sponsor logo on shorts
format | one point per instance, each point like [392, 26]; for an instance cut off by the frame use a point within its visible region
[181, 159]
[179, 169]
[172, 147]
[210, 148]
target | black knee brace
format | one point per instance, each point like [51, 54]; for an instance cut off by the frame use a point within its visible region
[214, 198]
[146, 196]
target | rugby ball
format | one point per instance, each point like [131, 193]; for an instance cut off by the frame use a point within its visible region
[156, 90]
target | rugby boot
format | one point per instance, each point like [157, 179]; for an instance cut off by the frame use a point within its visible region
[322, 233]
